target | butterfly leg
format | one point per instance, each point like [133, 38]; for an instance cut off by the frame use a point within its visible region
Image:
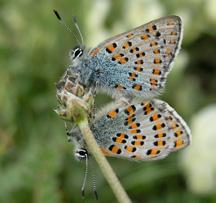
[73, 134]
[88, 96]
[68, 133]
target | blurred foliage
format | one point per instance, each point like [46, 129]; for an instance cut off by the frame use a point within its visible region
[36, 162]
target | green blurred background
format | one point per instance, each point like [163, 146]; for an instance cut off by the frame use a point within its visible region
[37, 163]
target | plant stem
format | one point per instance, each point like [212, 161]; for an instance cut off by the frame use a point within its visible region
[106, 169]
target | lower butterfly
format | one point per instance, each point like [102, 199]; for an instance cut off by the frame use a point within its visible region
[148, 130]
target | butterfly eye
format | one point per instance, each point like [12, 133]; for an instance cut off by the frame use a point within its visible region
[76, 53]
[81, 154]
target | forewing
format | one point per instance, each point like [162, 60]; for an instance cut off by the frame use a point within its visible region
[146, 52]
[145, 131]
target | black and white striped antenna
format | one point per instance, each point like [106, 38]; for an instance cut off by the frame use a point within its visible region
[74, 19]
[94, 187]
[85, 177]
[62, 21]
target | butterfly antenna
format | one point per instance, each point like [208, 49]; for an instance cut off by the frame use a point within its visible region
[78, 29]
[85, 177]
[65, 25]
[94, 186]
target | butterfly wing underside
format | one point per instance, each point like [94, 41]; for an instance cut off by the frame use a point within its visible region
[146, 131]
[145, 53]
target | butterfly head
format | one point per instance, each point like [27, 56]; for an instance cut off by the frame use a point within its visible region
[80, 64]
[76, 53]
[81, 154]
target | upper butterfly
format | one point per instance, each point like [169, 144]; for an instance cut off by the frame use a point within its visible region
[131, 64]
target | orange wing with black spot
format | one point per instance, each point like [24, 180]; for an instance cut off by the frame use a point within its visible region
[146, 53]
[144, 131]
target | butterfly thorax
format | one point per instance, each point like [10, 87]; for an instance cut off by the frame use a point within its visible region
[85, 67]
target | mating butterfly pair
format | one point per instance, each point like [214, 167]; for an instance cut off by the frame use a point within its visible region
[133, 65]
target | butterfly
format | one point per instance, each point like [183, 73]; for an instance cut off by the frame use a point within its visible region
[146, 130]
[132, 64]
[149, 130]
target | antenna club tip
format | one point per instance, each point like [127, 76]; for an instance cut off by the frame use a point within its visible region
[96, 195]
[83, 193]
[74, 19]
[57, 14]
